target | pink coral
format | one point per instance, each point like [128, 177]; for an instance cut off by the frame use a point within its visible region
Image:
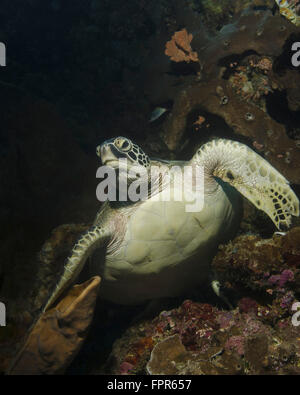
[235, 343]
[126, 367]
[281, 279]
[286, 275]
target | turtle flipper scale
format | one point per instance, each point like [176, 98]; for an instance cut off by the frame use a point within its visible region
[253, 177]
[95, 237]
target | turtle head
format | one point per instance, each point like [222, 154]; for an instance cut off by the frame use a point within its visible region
[129, 163]
[111, 151]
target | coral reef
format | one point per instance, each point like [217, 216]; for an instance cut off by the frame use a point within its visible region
[256, 337]
[268, 266]
[251, 82]
[200, 339]
[290, 9]
[243, 75]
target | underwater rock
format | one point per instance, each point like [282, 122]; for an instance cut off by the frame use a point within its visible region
[59, 333]
[171, 357]
[165, 355]
[245, 76]
[219, 12]
[249, 121]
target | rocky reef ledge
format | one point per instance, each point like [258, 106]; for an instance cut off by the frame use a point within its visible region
[258, 336]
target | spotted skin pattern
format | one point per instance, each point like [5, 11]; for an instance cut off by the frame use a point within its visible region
[93, 238]
[122, 147]
[254, 178]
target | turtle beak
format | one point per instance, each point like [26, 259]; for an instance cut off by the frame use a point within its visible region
[105, 154]
[98, 151]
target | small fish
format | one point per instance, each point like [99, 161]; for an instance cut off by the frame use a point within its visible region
[288, 11]
[217, 354]
[280, 233]
[156, 113]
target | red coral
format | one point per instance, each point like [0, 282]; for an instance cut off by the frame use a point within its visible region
[179, 48]
[138, 349]
[247, 305]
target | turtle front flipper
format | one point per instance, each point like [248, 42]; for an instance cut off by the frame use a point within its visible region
[252, 176]
[93, 238]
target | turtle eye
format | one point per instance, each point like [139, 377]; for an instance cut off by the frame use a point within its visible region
[118, 143]
[123, 144]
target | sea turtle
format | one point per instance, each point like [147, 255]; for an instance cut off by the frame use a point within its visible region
[155, 248]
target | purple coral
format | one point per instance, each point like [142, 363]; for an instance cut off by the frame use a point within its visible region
[286, 275]
[281, 279]
[225, 319]
[287, 300]
[274, 279]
